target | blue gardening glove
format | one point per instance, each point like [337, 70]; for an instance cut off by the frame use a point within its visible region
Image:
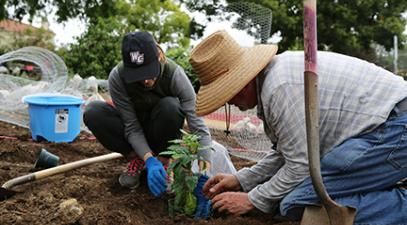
[156, 176]
[203, 208]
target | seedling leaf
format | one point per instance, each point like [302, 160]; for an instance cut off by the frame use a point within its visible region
[183, 152]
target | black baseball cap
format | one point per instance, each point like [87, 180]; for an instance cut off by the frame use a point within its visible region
[140, 57]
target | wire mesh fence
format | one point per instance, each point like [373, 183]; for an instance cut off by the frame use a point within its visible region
[253, 18]
[246, 139]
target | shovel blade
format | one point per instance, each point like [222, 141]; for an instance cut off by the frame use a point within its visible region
[318, 215]
[6, 194]
[315, 215]
[341, 215]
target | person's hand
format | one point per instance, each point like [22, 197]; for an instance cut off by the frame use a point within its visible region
[235, 203]
[203, 208]
[221, 183]
[156, 176]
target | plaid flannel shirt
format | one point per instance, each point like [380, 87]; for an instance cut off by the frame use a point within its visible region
[355, 97]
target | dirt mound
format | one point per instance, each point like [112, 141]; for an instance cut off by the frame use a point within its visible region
[89, 195]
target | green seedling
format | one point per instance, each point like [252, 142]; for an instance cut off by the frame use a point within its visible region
[183, 153]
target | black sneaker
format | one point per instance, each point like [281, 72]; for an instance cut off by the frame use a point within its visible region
[131, 178]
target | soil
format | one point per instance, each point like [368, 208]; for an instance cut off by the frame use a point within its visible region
[89, 195]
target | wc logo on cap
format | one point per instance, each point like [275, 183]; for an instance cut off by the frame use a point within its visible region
[137, 57]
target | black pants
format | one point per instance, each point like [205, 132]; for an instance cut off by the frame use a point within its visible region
[161, 125]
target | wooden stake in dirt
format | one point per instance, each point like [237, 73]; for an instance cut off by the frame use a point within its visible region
[331, 212]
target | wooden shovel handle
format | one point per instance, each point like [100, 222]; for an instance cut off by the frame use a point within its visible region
[58, 169]
[312, 126]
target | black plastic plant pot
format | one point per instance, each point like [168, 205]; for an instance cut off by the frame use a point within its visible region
[46, 160]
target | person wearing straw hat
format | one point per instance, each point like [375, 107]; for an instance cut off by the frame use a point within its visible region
[152, 97]
[363, 135]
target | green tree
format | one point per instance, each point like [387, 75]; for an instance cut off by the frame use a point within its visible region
[90, 9]
[97, 51]
[30, 37]
[39, 37]
[349, 27]
[181, 56]
[168, 24]
[353, 27]
[162, 17]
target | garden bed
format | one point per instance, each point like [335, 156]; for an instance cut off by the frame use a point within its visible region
[89, 195]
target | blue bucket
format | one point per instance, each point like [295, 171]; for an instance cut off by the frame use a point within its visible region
[55, 118]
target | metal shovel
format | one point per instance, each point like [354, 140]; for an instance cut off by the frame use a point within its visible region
[6, 191]
[330, 213]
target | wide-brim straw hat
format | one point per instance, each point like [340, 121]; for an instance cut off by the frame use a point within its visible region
[224, 68]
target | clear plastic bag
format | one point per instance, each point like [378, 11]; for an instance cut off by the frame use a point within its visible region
[220, 161]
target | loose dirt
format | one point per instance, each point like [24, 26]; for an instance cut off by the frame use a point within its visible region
[89, 195]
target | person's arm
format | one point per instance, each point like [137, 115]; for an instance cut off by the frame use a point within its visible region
[286, 179]
[182, 88]
[132, 128]
[262, 171]
[287, 117]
